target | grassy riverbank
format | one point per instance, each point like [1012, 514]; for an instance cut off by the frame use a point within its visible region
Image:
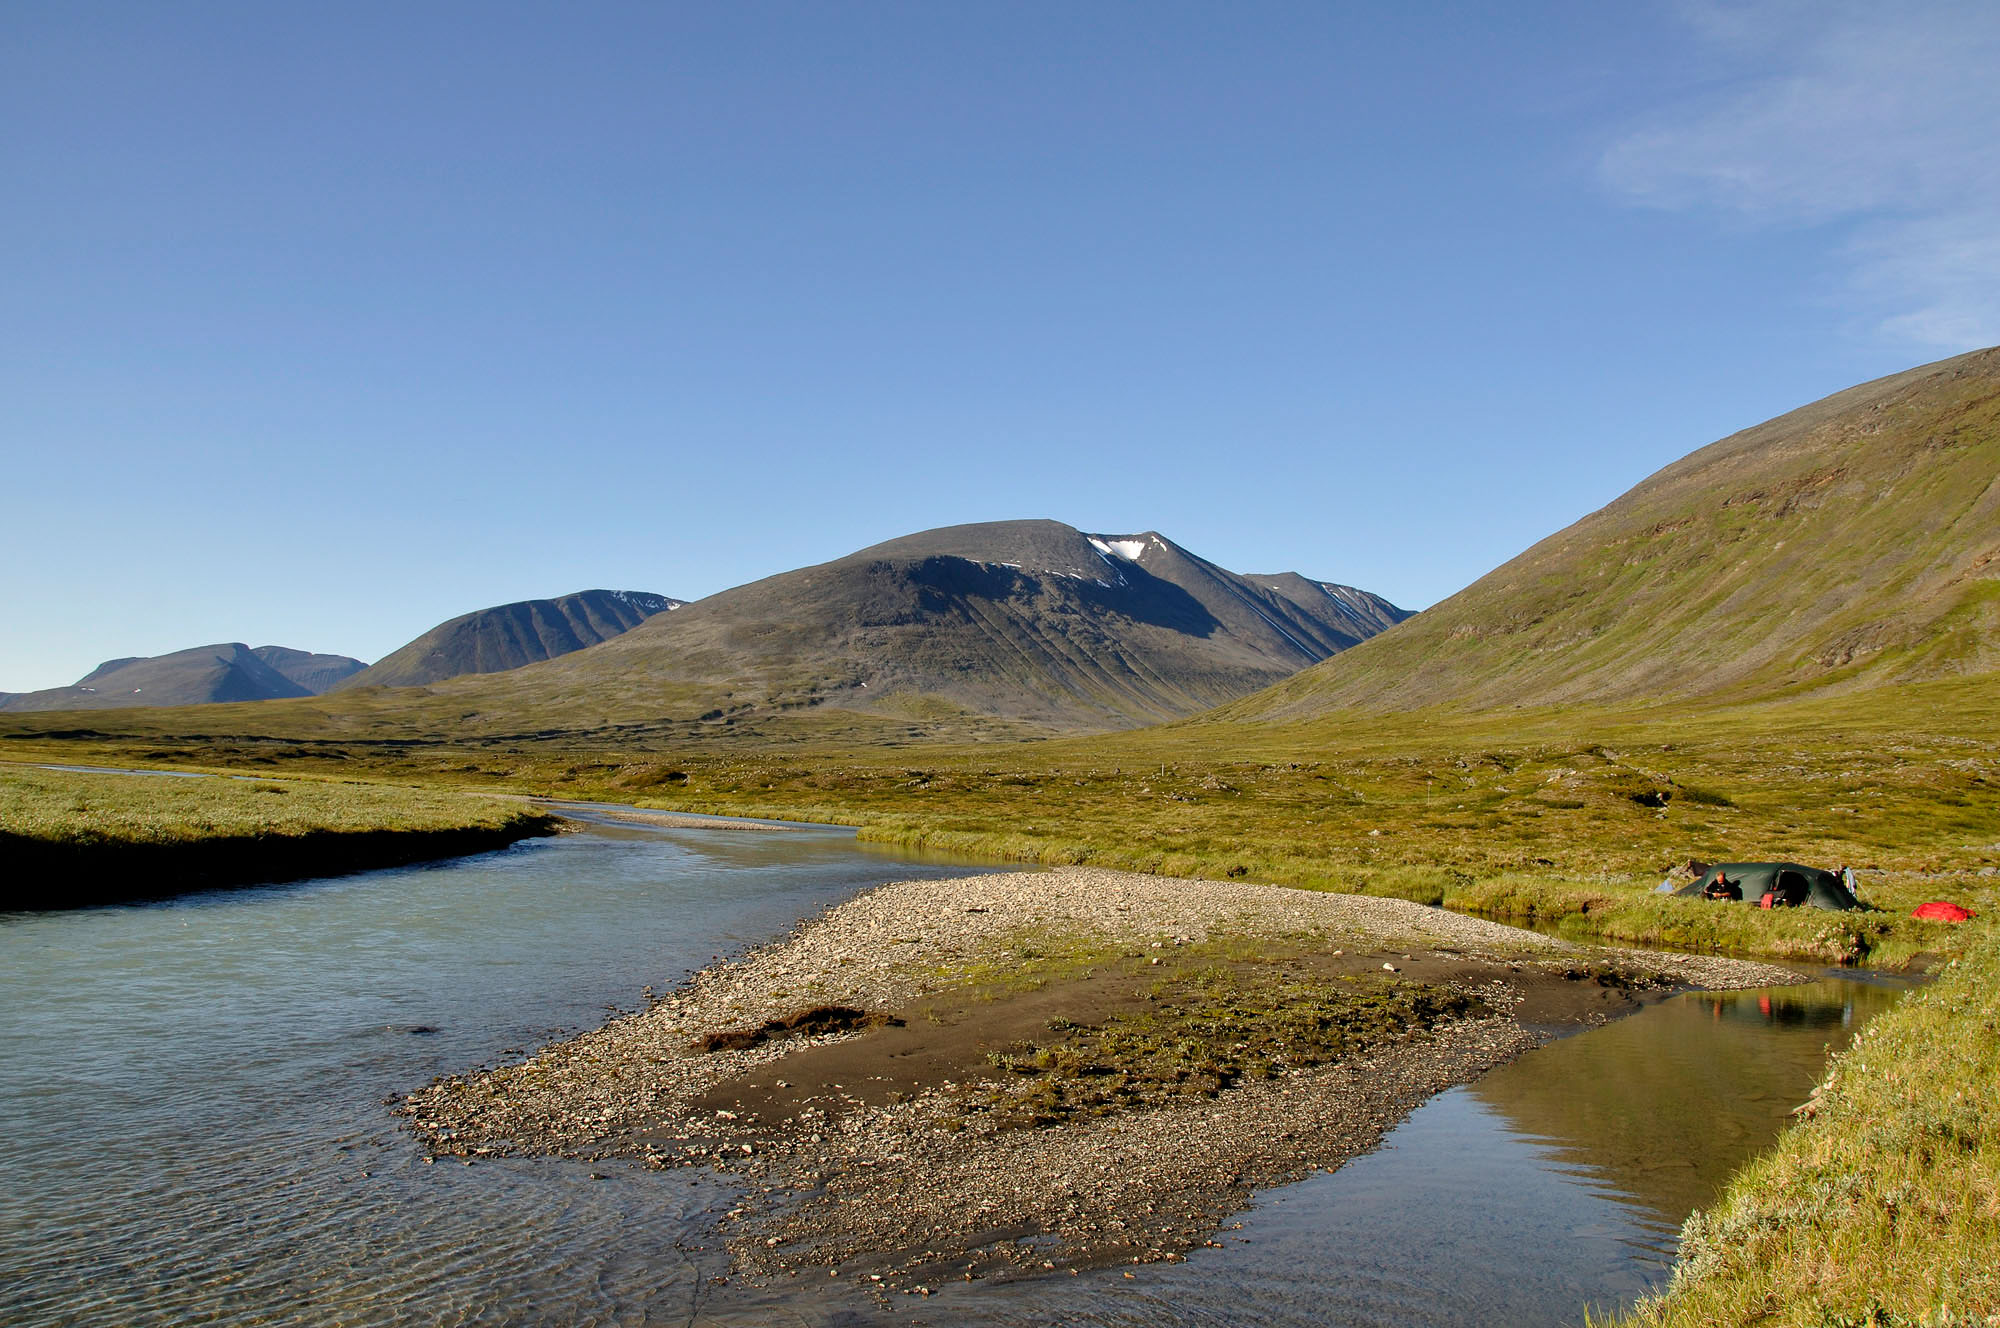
[72, 838]
[1560, 817]
[1554, 818]
[1882, 1206]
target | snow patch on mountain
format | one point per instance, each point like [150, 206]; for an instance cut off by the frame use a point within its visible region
[646, 602]
[1128, 549]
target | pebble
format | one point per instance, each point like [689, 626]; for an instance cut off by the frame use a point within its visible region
[892, 1184]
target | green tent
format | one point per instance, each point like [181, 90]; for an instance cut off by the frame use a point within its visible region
[1788, 884]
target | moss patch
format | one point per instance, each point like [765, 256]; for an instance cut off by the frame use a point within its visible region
[1200, 1032]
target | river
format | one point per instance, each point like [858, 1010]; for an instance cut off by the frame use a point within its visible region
[195, 1119]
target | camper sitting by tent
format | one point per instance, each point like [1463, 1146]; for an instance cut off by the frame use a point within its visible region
[1772, 885]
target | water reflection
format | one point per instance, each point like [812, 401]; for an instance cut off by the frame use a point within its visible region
[194, 1129]
[1665, 1106]
[1555, 1184]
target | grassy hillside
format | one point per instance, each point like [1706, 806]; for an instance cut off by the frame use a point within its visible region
[1851, 543]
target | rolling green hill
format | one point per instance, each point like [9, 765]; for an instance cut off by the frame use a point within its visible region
[509, 636]
[1849, 544]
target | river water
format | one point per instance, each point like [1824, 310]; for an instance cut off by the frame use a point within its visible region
[195, 1124]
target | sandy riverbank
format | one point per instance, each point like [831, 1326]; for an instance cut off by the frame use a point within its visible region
[1039, 1071]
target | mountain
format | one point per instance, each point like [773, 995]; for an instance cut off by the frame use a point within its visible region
[1027, 620]
[511, 635]
[315, 673]
[201, 676]
[1852, 543]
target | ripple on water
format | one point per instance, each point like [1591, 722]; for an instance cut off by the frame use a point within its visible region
[196, 1132]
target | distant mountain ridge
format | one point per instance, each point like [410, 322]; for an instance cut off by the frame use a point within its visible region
[1852, 543]
[1004, 628]
[315, 673]
[504, 637]
[509, 636]
[204, 675]
[1027, 620]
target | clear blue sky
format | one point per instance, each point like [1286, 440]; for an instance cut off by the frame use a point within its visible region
[322, 323]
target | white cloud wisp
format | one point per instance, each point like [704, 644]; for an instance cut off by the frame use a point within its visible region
[1882, 120]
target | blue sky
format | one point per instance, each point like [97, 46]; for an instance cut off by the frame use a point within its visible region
[321, 324]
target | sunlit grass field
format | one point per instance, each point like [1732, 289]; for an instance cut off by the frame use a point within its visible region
[73, 807]
[1883, 1209]
[1567, 818]
[69, 838]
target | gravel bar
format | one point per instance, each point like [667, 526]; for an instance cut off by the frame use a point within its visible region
[892, 1190]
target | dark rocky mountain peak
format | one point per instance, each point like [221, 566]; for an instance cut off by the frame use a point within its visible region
[509, 636]
[315, 673]
[1017, 620]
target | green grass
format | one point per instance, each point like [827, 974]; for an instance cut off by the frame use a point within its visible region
[1884, 1206]
[73, 838]
[1555, 814]
[1203, 1032]
[1883, 936]
[71, 807]
[1216, 1013]
[1026, 960]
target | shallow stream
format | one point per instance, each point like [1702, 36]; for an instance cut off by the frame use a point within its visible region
[195, 1123]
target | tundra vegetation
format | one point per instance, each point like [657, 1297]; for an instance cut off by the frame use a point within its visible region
[1204, 1030]
[1882, 1205]
[1781, 647]
[72, 838]
[1563, 818]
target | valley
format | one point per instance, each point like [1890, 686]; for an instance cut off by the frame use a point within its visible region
[1780, 647]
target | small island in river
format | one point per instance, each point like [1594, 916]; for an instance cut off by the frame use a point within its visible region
[1041, 1071]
